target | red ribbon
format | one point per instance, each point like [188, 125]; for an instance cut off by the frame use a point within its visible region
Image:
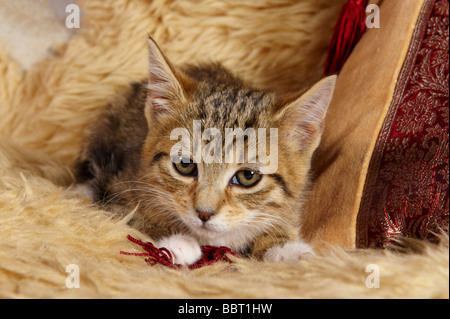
[349, 28]
[210, 255]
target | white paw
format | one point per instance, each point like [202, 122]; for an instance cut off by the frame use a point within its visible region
[84, 190]
[289, 252]
[184, 249]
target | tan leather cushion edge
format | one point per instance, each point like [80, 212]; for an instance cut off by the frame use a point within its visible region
[363, 94]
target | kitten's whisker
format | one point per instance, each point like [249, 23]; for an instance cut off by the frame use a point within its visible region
[272, 225]
[282, 222]
[257, 230]
[139, 193]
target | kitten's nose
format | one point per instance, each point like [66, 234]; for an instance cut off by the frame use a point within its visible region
[204, 215]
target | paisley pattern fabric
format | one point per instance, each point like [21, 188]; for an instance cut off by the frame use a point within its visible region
[406, 189]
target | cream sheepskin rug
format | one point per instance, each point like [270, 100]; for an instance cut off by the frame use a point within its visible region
[47, 101]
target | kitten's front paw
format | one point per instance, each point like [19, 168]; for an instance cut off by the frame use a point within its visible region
[84, 190]
[184, 249]
[289, 252]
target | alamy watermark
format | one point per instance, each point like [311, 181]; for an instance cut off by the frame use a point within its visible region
[73, 279]
[73, 17]
[373, 279]
[373, 17]
[254, 151]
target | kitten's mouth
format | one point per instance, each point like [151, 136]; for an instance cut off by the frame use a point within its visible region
[211, 227]
[206, 228]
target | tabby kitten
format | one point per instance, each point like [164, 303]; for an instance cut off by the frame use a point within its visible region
[127, 161]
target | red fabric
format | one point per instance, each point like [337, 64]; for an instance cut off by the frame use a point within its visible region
[406, 190]
[211, 255]
[349, 28]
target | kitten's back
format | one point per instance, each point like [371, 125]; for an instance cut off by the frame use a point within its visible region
[114, 141]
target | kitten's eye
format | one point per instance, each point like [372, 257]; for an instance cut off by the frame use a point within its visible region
[186, 167]
[246, 178]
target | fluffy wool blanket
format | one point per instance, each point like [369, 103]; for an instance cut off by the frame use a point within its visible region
[50, 93]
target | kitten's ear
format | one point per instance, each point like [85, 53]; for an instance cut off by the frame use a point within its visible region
[303, 119]
[164, 88]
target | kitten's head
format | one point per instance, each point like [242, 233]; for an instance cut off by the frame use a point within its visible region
[224, 198]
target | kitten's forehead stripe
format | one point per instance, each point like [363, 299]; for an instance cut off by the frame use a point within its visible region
[231, 107]
[222, 100]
